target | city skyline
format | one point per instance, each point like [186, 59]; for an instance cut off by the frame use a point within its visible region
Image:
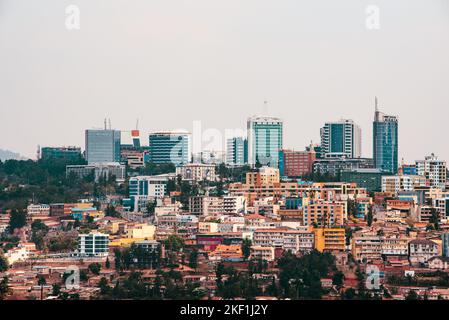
[313, 63]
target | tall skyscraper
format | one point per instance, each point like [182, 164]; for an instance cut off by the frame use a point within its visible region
[169, 147]
[265, 136]
[341, 139]
[237, 151]
[385, 142]
[102, 145]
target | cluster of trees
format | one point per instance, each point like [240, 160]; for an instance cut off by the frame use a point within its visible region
[136, 257]
[45, 181]
[233, 284]
[166, 285]
[299, 277]
[233, 174]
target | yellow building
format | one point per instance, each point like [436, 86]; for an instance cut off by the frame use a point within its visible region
[141, 231]
[330, 239]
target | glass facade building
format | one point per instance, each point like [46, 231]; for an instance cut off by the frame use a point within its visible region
[103, 146]
[65, 153]
[385, 142]
[341, 139]
[237, 151]
[169, 147]
[265, 140]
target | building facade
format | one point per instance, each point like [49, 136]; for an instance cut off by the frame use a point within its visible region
[296, 163]
[385, 142]
[102, 145]
[265, 139]
[237, 151]
[341, 139]
[169, 147]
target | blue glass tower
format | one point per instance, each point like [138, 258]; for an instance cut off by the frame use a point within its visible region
[385, 142]
[103, 146]
[265, 135]
[169, 147]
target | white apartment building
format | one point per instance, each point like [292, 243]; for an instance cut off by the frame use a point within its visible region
[434, 170]
[394, 184]
[197, 172]
[38, 210]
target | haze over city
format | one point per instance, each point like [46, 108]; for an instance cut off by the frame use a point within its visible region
[171, 63]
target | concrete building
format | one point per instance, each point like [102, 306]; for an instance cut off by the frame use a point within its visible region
[93, 244]
[42, 210]
[296, 163]
[395, 184]
[421, 250]
[143, 189]
[99, 170]
[197, 172]
[330, 239]
[434, 170]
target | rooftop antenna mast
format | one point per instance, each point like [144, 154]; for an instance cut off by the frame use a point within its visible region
[265, 107]
[105, 125]
[376, 104]
[110, 127]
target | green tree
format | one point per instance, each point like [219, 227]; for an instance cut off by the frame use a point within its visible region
[94, 268]
[17, 220]
[369, 218]
[337, 279]
[193, 259]
[4, 288]
[3, 263]
[246, 248]
[412, 295]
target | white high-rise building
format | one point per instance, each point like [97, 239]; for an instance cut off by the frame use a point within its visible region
[433, 169]
[341, 139]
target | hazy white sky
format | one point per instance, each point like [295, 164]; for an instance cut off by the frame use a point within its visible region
[171, 62]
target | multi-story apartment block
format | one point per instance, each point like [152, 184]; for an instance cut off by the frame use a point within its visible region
[296, 163]
[421, 250]
[395, 184]
[366, 246]
[324, 214]
[330, 239]
[288, 239]
[93, 244]
[434, 170]
[197, 172]
[395, 245]
[103, 170]
[38, 210]
[263, 253]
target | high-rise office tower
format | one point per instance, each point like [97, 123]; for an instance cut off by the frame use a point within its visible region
[237, 151]
[385, 142]
[341, 139]
[102, 145]
[265, 136]
[169, 147]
